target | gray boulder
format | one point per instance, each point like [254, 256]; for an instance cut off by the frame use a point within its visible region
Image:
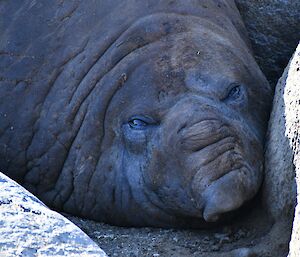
[28, 228]
[274, 29]
[291, 107]
[282, 167]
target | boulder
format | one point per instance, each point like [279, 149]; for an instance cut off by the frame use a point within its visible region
[274, 29]
[281, 189]
[28, 228]
[290, 93]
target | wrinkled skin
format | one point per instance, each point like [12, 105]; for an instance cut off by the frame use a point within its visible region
[139, 114]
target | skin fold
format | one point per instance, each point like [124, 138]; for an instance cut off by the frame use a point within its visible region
[135, 113]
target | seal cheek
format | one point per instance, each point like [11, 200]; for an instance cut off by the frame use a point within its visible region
[135, 141]
[228, 193]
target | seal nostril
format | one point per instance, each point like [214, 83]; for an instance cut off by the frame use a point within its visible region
[181, 128]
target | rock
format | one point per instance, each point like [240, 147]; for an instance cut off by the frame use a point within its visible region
[28, 228]
[291, 98]
[274, 29]
[280, 187]
[282, 184]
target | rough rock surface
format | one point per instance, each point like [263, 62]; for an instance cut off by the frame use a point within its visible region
[282, 157]
[291, 97]
[274, 29]
[28, 228]
[280, 186]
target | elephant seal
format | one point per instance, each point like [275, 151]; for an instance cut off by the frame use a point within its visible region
[135, 113]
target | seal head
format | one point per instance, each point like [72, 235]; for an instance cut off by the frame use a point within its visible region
[185, 131]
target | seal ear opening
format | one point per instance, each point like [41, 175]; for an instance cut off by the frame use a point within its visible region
[224, 195]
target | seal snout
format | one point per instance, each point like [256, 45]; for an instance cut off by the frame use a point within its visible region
[220, 177]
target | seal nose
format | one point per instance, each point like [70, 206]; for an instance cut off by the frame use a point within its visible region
[202, 133]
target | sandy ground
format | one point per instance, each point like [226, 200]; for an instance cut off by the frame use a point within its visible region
[243, 230]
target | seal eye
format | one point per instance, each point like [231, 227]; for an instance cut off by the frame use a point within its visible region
[137, 124]
[234, 92]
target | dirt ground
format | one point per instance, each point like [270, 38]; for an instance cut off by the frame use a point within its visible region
[243, 230]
